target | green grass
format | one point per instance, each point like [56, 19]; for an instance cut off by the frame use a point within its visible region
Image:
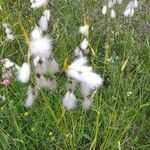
[116, 121]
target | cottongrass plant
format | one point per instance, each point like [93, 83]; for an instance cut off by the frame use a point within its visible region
[129, 10]
[81, 73]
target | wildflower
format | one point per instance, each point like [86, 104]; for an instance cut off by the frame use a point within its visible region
[104, 9]
[69, 100]
[31, 96]
[26, 114]
[40, 45]
[38, 3]
[6, 78]
[84, 44]
[84, 30]
[87, 103]
[23, 74]
[80, 71]
[113, 14]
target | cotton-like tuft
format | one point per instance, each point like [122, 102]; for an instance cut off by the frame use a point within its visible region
[41, 47]
[113, 13]
[104, 9]
[53, 66]
[38, 3]
[84, 30]
[84, 44]
[87, 103]
[23, 74]
[43, 23]
[69, 100]
[47, 14]
[85, 89]
[31, 96]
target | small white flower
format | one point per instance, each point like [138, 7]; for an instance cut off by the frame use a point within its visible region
[87, 103]
[84, 30]
[38, 3]
[104, 9]
[31, 96]
[47, 14]
[53, 66]
[41, 46]
[43, 23]
[69, 100]
[78, 52]
[84, 44]
[23, 74]
[113, 13]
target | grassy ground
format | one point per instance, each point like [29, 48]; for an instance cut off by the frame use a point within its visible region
[117, 120]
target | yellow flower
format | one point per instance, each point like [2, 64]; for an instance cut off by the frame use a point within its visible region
[26, 114]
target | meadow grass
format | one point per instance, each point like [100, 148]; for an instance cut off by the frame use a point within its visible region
[116, 120]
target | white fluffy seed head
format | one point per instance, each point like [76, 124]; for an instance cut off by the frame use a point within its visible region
[43, 23]
[32, 93]
[41, 47]
[69, 100]
[84, 44]
[119, 1]
[104, 9]
[85, 89]
[47, 14]
[113, 13]
[38, 3]
[110, 3]
[36, 33]
[23, 74]
[53, 66]
[84, 30]
[78, 52]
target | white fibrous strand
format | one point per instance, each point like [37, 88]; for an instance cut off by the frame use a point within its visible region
[78, 52]
[53, 66]
[9, 35]
[69, 100]
[84, 30]
[87, 103]
[42, 82]
[47, 14]
[85, 89]
[40, 45]
[23, 73]
[80, 71]
[32, 93]
[38, 3]
[129, 11]
[104, 9]
[84, 45]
